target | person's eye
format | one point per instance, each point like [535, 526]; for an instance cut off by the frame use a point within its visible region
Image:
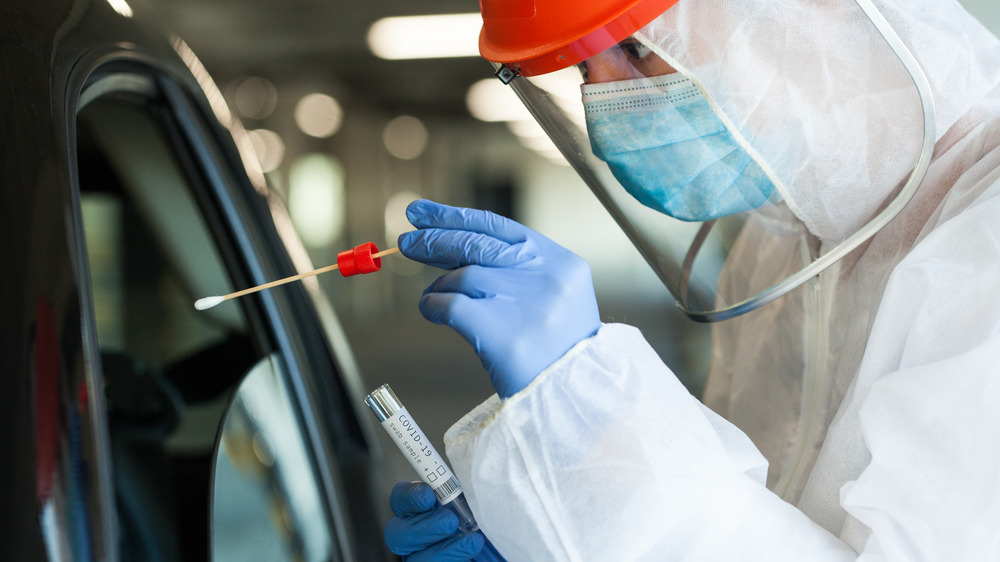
[635, 49]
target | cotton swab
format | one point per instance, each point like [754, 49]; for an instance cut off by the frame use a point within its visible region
[360, 259]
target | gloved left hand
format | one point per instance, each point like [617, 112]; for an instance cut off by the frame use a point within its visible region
[520, 299]
[424, 531]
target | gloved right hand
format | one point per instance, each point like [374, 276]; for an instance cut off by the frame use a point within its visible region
[424, 531]
[520, 299]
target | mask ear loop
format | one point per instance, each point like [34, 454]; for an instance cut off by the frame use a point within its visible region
[923, 88]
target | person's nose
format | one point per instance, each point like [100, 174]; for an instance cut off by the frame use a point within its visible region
[604, 67]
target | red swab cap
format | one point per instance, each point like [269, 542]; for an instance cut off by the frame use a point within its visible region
[359, 260]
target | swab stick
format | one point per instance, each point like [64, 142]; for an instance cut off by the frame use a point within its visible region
[359, 259]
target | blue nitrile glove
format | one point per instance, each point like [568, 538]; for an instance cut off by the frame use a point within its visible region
[520, 299]
[423, 531]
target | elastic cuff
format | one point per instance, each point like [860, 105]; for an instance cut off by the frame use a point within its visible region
[482, 415]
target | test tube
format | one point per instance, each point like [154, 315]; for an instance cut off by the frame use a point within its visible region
[417, 449]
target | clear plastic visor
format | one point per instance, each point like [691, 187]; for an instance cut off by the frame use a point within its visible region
[695, 197]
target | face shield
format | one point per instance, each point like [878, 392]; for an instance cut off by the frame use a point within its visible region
[742, 148]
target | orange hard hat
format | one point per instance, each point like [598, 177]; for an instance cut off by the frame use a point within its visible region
[534, 37]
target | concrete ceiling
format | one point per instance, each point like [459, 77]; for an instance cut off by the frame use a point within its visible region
[322, 42]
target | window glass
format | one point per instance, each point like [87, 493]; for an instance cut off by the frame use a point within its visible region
[266, 503]
[169, 370]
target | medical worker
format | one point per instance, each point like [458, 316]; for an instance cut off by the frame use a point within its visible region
[823, 179]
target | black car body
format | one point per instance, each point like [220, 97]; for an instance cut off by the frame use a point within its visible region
[128, 192]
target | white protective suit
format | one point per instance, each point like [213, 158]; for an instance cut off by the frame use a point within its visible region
[872, 392]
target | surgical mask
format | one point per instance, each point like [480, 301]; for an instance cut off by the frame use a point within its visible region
[670, 151]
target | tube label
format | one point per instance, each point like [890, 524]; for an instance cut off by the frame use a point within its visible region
[422, 456]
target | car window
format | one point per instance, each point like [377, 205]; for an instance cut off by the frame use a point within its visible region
[170, 371]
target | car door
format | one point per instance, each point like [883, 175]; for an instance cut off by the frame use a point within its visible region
[234, 432]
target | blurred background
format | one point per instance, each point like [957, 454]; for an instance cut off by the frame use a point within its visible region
[355, 110]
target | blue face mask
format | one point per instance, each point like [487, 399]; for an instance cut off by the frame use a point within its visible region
[670, 151]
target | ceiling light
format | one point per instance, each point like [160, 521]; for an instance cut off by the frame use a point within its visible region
[405, 137]
[396, 222]
[255, 97]
[318, 115]
[316, 198]
[527, 129]
[426, 37]
[490, 100]
[269, 147]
